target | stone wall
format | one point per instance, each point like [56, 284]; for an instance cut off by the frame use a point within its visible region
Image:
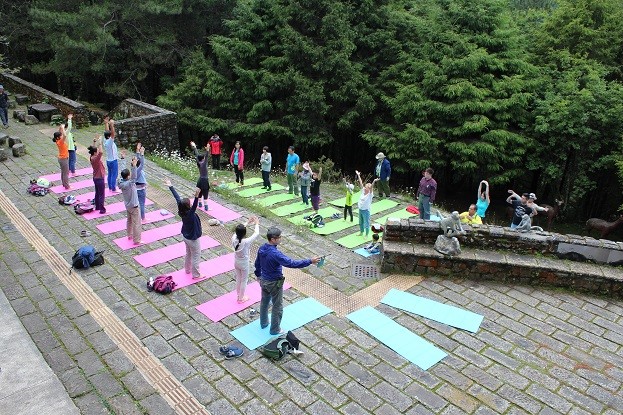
[154, 127]
[497, 238]
[36, 94]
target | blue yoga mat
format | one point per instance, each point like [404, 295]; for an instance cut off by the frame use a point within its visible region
[294, 316]
[404, 342]
[364, 253]
[442, 313]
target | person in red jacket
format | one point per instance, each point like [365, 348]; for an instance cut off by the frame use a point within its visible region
[236, 159]
[215, 151]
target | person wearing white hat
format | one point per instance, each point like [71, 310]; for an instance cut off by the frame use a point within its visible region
[4, 107]
[383, 171]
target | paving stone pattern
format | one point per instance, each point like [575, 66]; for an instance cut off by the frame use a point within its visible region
[537, 351]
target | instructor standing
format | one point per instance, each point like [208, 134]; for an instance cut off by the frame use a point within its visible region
[382, 171]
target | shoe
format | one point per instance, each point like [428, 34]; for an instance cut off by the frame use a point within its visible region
[223, 350]
[85, 233]
[268, 189]
[233, 353]
[278, 333]
[263, 327]
[263, 187]
[102, 211]
[138, 243]
[205, 207]
[200, 204]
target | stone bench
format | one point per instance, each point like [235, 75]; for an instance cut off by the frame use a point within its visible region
[510, 268]
[43, 111]
[493, 238]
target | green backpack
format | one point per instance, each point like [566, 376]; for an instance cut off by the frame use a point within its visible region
[275, 349]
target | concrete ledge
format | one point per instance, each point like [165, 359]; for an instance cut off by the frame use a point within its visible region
[475, 264]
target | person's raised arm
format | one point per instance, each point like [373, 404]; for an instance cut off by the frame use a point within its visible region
[133, 171]
[479, 190]
[358, 173]
[111, 124]
[487, 190]
[167, 182]
[69, 123]
[512, 196]
[320, 173]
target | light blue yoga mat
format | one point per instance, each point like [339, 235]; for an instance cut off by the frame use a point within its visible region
[294, 316]
[364, 253]
[442, 313]
[404, 342]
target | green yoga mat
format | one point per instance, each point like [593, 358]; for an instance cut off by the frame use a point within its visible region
[382, 205]
[254, 191]
[324, 212]
[353, 240]
[334, 225]
[340, 202]
[295, 207]
[273, 199]
[249, 182]
[399, 214]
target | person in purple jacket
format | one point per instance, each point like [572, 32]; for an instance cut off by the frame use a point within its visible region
[268, 270]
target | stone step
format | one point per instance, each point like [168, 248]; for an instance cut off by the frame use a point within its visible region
[505, 267]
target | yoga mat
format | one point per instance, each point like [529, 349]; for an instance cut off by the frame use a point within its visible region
[340, 202]
[57, 176]
[254, 191]
[227, 304]
[111, 209]
[91, 195]
[294, 316]
[364, 253]
[442, 313]
[278, 198]
[399, 214]
[295, 207]
[382, 205]
[74, 186]
[354, 239]
[324, 212]
[334, 225]
[151, 235]
[248, 182]
[178, 250]
[404, 342]
[119, 225]
[220, 212]
[207, 269]
[434, 218]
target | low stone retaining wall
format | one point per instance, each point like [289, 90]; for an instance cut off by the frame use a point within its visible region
[154, 127]
[495, 238]
[36, 94]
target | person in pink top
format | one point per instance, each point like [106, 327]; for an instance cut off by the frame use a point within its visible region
[96, 151]
[236, 159]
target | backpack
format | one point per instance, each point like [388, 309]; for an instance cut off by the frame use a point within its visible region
[275, 349]
[43, 182]
[36, 190]
[67, 200]
[316, 220]
[163, 284]
[82, 208]
[86, 257]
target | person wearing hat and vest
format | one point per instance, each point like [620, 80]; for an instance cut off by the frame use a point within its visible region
[383, 171]
[4, 107]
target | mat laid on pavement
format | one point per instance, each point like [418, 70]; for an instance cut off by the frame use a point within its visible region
[295, 207]
[152, 235]
[111, 210]
[248, 182]
[74, 186]
[220, 212]
[255, 191]
[340, 202]
[120, 224]
[53, 177]
[364, 253]
[398, 338]
[177, 250]
[274, 199]
[440, 312]
[84, 197]
[294, 316]
[227, 304]
[354, 239]
[399, 214]
[334, 225]
[207, 269]
[382, 205]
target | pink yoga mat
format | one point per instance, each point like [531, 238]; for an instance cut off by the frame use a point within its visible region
[227, 304]
[74, 186]
[119, 225]
[151, 235]
[178, 250]
[220, 212]
[208, 269]
[91, 195]
[111, 209]
[57, 176]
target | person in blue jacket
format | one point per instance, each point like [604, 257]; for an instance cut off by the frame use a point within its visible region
[382, 172]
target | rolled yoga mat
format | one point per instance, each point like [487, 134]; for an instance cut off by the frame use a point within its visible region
[227, 304]
[119, 225]
[177, 250]
[294, 316]
[404, 342]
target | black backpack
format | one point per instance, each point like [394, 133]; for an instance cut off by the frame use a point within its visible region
[86, 257]
[275, 349]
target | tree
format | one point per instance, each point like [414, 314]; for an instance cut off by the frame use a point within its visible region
[459, 92]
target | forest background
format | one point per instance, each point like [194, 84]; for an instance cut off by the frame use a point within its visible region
[527, 94]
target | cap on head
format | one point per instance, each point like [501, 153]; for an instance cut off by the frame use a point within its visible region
[532, 196]
[1, 87]
[273, 232]
[350, 186]
[380, 156]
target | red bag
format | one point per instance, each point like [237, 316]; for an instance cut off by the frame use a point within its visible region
[413, 209]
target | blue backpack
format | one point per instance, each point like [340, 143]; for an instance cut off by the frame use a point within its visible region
[86, 257]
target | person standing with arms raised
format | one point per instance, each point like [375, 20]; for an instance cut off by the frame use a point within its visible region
[203, 183]
[292, 167]
[99, 171]
[60, 139]
[215, 151]
[112, 154]
[426, 192]
[268, 270]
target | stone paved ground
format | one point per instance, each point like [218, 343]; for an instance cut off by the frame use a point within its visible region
[538, 351]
